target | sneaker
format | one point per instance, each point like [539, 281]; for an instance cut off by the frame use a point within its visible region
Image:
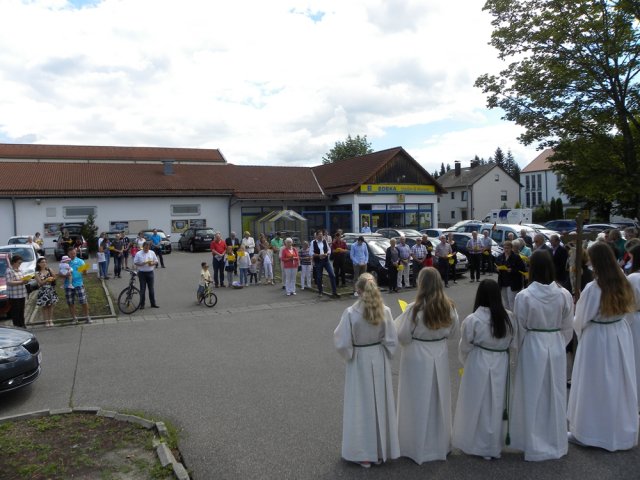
[89, 320]
[74, 321]
[364, 464]
[293, 293]
[355, 294]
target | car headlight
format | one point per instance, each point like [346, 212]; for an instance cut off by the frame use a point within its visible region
[10, 354]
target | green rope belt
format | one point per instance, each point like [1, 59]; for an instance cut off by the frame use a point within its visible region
[606, 323]
[544, 330]
[491, 349]
[428, 340]
[367, 345]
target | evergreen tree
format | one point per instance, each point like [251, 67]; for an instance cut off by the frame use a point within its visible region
[89, 231]
[559, 208]
[435, 174]
[442, 170]
[499, 158]
[552, 209]
[448, 167]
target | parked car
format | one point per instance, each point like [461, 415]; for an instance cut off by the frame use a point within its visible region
[377, 245]
[193, 239]
[75, 233]
[165, 243]
[462, 262]
[500, 232]
[27, 252]
[433, 233]
[462, 238]
[23, 240]
[20, 358]
[599, 227]
[561, 225]
[472, 227]
[4, 297]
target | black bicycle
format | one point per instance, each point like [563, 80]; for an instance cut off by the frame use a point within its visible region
[129, 298]
[208, 297]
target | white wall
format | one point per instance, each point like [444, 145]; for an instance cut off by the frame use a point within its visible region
[447, 205]
[487, 193]
[31, 217]
[549, 188]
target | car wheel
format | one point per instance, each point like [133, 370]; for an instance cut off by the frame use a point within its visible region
[192, 248]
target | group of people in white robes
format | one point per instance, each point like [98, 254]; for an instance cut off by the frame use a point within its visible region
[532, 416]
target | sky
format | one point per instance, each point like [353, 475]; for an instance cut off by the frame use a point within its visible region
[275, 82]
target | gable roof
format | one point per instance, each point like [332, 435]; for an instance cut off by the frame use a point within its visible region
[468, 175]
[347, 175]
[97, 153]
[540, 163]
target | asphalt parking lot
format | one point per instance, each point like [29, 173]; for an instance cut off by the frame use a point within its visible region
[254, 384]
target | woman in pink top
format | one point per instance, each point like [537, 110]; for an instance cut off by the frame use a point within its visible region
[290, 262]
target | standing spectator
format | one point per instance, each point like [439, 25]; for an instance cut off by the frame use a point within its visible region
[560, 257]
[38, 240]
[230, 265]
[126, 249]
[442, 252]
[418, 255]
[526, 238]
[453, 261]
[487, 257]
[365, 228]
[539, 244]
[603, 401]
[483, 350]
[509, 277]
[253, 271]
[634, 319]
[290, 262]
[276, 245]
[543, 314]
[249, 243]
[359, 255]
[404, 253]
[156, 239]
[117, 254]
[392, 260]
[305, 265]
[16, 291]
[339, 254]
[321, 251]
[74, 286]
[366, 339]
[474, 247]
[140, 240]
[218, 248]
[424, 386]
[147, 261]
[428, 262]
[244, 262]
[617, 243]
[67, 241]
[106, 248]
[102, 262]
[266, 259]
[47, 296]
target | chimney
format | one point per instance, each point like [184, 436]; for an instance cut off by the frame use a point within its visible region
[474, 163]
[456, 166]
[168, 167]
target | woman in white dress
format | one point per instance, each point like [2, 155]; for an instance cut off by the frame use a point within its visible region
[634, 320]
[366, 338]
[424, 386]
[543, 313]
[603, 403]
[485, 339]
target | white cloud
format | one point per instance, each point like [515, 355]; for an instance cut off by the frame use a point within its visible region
[265, 82]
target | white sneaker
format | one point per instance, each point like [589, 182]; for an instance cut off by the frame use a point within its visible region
[355, 294]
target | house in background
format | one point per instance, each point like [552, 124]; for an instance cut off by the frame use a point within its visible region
[474, 191]
[540, 182]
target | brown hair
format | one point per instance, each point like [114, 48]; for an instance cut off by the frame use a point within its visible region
[617, 294]
[431, 300]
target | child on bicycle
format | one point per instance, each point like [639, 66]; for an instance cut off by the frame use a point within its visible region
[205, 277]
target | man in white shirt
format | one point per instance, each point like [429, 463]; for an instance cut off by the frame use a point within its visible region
[321, 250]
[146, 261]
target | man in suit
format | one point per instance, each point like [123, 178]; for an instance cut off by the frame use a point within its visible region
[560, 256]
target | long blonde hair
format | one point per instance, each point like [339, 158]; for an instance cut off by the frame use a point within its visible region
[370, 298]
[617, 295]
[431, 300]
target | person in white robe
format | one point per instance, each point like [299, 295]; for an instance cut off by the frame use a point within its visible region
[485, 338]
[603, 402]
[634, 319]
[424, 385]
[366, 338]
[543, 313]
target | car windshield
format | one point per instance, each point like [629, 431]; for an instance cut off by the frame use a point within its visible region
[17, 240]
[409, 232]
[3, 267]
[26, 253]
[207, 232]
[378, 247]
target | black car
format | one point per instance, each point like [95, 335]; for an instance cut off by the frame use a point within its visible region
[561, 225]
[377, 245]
[193, 239]
[165, 243]
[75, 238]
[19, 358]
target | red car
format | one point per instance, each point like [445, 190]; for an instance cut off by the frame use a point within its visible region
[4, 298]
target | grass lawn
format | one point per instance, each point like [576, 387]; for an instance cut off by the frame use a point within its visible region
[98, 303]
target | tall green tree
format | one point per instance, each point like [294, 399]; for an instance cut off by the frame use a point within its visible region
[512, 167]
[442, 169]
[498, 157]
[351, 147]
[572, 73]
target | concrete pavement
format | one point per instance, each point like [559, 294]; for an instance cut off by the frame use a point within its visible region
[254, 384]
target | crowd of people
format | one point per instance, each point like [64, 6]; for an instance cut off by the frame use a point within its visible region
[535, 321]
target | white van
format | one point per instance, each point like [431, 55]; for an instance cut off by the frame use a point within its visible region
[500, 231]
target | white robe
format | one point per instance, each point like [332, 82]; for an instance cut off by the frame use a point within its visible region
[424, 389]
[369, 427]
[634, 322]
[478, 427]
[538, 421]
[603, 403]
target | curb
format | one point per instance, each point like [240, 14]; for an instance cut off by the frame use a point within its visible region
[163, 452]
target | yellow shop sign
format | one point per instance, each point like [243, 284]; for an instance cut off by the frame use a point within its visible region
[394, 188]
